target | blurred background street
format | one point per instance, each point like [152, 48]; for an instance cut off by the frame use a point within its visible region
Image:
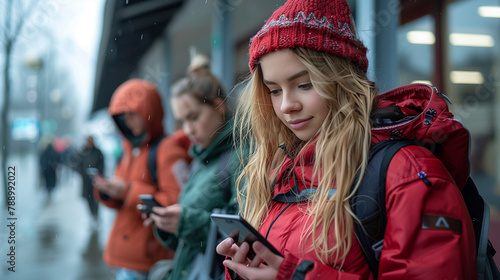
[54, 238]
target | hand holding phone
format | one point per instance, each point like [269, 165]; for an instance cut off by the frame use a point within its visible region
[149, 203]
[241, 231]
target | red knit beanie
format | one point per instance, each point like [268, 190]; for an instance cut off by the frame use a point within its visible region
[322, 25]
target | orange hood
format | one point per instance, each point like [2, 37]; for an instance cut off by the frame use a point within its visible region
[141, 97]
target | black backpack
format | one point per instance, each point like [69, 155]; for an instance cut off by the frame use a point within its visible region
[152, 165]
[369, 206]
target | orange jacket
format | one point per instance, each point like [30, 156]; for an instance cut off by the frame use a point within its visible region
[130, 244]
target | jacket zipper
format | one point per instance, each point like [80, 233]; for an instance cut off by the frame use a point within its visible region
[429, 116]
[423, 176]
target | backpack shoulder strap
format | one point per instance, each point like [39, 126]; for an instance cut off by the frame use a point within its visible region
[152, 164]
[368, 203]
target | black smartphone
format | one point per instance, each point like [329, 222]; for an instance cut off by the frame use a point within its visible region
[149, 203]
[241, 231]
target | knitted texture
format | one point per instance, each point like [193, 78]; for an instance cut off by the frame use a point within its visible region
[322, 25]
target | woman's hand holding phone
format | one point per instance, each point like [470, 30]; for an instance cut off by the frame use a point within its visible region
[250, 269]
[260, 261]
[167, 218]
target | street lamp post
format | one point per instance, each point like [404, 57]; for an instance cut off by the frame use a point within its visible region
[35, 62]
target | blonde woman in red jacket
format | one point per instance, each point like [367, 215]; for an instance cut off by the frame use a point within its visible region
[306, 112]
[136, 108]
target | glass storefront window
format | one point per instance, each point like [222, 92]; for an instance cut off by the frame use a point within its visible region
[473, 63]
[416, 51]
[470, 77]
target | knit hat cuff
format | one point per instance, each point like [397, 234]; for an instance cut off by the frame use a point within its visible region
[307, 32]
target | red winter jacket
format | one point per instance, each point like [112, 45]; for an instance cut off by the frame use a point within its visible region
[411, 250]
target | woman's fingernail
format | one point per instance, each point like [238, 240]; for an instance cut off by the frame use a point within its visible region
[257, 246]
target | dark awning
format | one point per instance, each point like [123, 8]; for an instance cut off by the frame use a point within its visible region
[129, 28]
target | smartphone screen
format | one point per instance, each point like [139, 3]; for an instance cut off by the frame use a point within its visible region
[241, 231]
[91, 171]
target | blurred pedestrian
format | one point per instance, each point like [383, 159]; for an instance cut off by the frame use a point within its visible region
[49, 162]
[137, 110]
[90, 163]
[69, 160]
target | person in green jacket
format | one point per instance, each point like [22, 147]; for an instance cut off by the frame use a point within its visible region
[198, 102]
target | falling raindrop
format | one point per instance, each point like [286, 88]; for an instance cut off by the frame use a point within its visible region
[141, 36]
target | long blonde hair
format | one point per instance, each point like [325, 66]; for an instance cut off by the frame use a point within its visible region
[342, 147]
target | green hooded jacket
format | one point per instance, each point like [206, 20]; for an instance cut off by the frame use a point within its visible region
[200, 195]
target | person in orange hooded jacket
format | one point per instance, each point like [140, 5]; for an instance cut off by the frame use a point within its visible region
[136, 108]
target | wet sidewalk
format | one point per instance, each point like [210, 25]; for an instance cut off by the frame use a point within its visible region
[54, 238]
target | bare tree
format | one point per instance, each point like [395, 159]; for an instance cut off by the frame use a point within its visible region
[15, 15]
